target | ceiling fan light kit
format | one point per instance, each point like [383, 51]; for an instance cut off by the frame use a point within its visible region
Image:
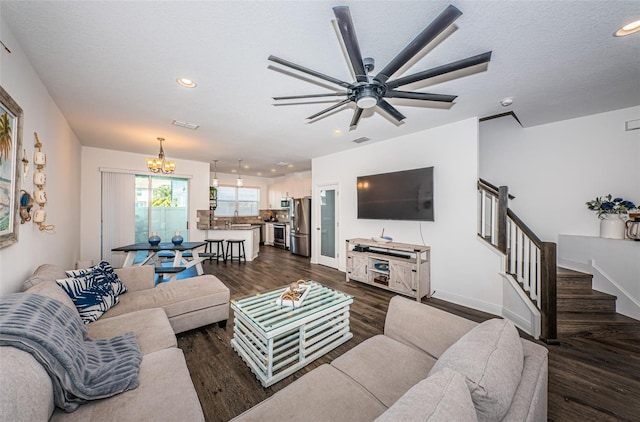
[369, 91]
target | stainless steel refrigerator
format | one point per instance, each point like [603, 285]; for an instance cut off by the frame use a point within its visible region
[300, 221]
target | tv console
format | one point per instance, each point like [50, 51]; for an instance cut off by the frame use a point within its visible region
[400, 267]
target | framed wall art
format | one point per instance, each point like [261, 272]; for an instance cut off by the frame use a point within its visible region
[10, 168]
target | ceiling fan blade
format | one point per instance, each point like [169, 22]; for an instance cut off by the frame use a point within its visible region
[420, 96]
[328, 109]
[309, 71]
[348, 31]
[391, 110]
[296, 97]
[356, 118]
[441, 70]
[439, 24]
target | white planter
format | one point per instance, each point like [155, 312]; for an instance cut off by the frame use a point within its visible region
[612, 227]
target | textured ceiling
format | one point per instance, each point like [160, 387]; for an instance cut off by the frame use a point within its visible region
[112, 66]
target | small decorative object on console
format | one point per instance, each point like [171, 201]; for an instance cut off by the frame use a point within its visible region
[295, 294]
[382, 238]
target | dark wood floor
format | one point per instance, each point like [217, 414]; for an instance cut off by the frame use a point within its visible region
[590, 378]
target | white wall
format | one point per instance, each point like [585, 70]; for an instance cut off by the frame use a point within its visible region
[94, 159]
[41, 115]
[462, 269]
[554, 169]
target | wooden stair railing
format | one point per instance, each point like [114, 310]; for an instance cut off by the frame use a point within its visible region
[530, 261]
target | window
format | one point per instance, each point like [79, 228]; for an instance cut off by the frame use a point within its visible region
[244, 200]
[161, 206]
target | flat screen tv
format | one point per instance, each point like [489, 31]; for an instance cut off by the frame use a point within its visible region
[401, 195]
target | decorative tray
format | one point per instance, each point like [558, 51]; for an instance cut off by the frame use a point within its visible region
[294, 295]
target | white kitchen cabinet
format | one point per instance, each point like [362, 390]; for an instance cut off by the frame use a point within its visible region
[306, 187]
[256, 241]
[275, 194]
[269, 234]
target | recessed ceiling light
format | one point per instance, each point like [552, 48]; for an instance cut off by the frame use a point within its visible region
[186, 82]
[273, 170]
[506, 102]
[628, 29]
[337, 132]
[259, 174]
[290, 166]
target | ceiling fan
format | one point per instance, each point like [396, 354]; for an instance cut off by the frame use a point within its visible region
[370, 91]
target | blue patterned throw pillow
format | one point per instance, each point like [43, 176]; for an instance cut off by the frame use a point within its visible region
[103, 272]
[90, 297]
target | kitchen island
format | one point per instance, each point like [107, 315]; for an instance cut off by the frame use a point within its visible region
[250, 233]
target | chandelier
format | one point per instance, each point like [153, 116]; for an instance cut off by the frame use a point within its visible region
[160, 165]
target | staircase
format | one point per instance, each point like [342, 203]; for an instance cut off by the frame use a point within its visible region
[585, 312]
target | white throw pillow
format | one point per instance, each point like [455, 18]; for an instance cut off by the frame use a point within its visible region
[103, 273]
[491, 358]
[443, 397]
[91, 299]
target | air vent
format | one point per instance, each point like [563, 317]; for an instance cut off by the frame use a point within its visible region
[361, 140]
[282, 164]
[185, 125]
[632, 125]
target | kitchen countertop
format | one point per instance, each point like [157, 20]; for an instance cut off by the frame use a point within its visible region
[251, 227]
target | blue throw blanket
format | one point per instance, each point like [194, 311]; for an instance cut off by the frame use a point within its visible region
[81, 369]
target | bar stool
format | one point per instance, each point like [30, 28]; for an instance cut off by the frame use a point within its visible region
[241, 253]
[208, 250]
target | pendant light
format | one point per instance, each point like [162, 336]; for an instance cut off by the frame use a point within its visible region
[240, 182]
[215, 182]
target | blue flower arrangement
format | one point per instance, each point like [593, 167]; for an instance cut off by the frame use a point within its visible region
[605, 205]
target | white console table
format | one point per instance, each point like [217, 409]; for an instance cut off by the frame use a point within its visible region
[400, 267]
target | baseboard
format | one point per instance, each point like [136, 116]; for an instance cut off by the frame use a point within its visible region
[520, 322]
[468, 302]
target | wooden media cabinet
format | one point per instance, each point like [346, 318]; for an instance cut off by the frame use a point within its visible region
[400, 267]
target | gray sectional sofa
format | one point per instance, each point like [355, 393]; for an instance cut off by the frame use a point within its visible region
[154, 314]
[429, 365]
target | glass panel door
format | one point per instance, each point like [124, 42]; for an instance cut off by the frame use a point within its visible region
[329, 226]
[162, 207]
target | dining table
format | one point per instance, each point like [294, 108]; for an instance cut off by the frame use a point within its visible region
[185, 256]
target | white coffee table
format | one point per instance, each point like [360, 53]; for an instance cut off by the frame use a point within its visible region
[275, 341]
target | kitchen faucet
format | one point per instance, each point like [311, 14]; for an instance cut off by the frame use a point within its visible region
[235, 216]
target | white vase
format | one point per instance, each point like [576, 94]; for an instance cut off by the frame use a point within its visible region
[612, 227]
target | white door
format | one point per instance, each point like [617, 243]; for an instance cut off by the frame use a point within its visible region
[328, 233]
